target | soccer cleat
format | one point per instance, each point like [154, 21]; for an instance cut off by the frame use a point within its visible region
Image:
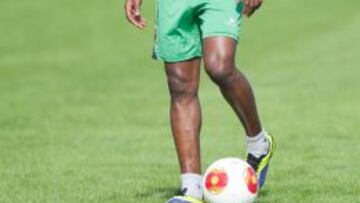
[261, 164]
[184, 199]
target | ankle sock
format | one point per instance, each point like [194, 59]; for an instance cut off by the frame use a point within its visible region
[191, 185]
[258, 145]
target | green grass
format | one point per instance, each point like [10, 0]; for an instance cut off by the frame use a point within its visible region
[83, 108]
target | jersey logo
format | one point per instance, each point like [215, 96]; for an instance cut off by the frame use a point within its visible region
[231, 21]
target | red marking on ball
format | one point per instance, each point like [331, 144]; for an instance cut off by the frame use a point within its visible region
[216, 181]
[251, 180]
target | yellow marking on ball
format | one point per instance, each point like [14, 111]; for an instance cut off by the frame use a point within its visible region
[214, 180]
[253, 179]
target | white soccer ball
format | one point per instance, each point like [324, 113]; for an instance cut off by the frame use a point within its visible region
[230, 180]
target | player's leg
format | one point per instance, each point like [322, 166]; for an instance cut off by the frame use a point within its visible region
[178, 43]
[185, 117]
[220, 25]
[219, 59]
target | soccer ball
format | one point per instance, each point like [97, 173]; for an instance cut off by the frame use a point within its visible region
[230, 180]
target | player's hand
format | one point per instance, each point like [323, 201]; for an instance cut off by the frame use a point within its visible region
[250, 6]
[133, 13]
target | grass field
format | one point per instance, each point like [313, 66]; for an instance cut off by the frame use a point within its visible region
[84, 110]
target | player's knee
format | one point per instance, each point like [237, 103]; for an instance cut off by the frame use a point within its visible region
[181, 89]
[220, 69]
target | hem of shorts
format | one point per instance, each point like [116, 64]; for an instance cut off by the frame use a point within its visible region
[221, 34]
[178, 59]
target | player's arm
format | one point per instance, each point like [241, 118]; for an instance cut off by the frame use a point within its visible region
[250, 6]
[133, 13]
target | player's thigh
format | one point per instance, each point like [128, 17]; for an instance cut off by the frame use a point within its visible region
[219, 47]
[183, 77]
[177, 33]
[219, 55]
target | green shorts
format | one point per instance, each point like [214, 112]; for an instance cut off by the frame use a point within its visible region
[182, 24]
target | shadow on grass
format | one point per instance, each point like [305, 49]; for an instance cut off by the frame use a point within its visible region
[166, 193]
[163, 193]
[263, 193]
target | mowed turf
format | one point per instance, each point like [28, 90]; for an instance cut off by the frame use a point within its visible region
[84, 110]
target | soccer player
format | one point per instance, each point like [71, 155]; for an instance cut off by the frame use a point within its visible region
[188, 31]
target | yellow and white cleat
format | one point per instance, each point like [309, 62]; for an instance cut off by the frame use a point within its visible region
[261, 164]
[184, 199]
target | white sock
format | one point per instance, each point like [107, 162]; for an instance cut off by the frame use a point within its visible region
[257, 145]
[191, 185]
